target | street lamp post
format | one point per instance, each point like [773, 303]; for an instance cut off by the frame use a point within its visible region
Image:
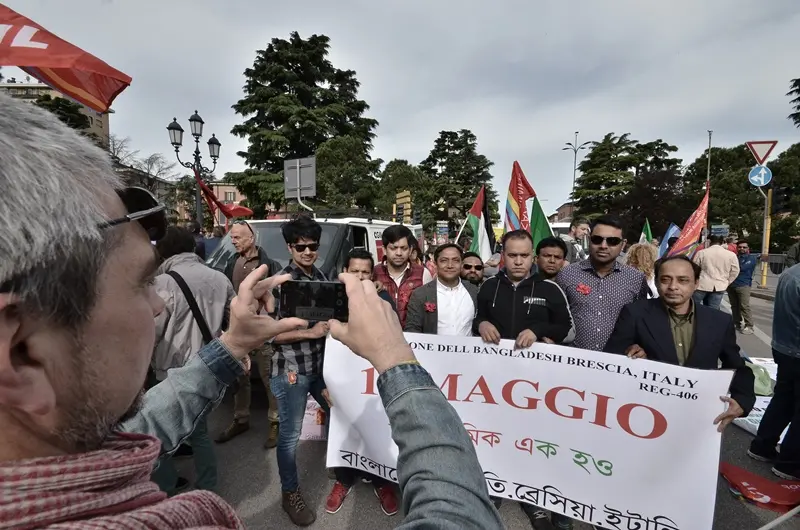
[176, 139]
[575, 147]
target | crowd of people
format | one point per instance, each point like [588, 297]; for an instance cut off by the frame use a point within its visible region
[81, 438]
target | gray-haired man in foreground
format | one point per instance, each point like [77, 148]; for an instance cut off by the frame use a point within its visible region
[78, 438]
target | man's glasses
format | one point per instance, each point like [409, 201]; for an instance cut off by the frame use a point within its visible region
[245, 223]
[470, 267]
[612, 241]
[301, 247]
[144, 208]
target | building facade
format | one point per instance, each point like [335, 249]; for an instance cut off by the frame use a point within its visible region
[31, 90]
[563, 214]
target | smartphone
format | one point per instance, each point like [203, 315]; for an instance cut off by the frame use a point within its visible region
[313, 301]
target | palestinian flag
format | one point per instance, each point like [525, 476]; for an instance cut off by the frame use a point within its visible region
[481, 224]
[647, 235]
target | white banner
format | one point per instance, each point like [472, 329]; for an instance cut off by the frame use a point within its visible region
[753, 420]
[598, 437]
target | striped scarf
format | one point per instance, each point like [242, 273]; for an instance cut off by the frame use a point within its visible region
[108, 489]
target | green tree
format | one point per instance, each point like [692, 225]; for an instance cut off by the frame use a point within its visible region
[262, 189]
[732, 200]
[399, 175]
[456, 172]
[185, 195]
[294, 101]
[794, 92]
[607, 175]
[347, 176]
[67, 111]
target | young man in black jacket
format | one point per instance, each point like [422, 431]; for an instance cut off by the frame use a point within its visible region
[519, 306]
[525, 308]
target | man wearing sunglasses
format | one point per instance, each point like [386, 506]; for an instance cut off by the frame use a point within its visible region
[472, 269]
[249, 256]
[297, 367]
[599, 287]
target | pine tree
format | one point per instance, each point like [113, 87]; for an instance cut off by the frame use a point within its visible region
[294, 101]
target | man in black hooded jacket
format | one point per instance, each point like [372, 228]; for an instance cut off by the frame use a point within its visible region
[519, 306]
[525, 308]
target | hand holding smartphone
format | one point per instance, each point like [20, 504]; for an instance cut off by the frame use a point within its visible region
[313, 301]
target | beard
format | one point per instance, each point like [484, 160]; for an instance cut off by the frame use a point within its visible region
[86, 421]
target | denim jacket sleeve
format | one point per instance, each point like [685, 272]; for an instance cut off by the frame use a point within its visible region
[441, 480]
[172, 408]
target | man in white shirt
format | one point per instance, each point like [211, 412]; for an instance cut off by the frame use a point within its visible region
[719, 267]
[447, 305]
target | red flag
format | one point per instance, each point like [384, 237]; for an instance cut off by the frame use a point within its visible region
[57, 63]
[228, 210]
[780, 496]
[519, 191]
[690, 235]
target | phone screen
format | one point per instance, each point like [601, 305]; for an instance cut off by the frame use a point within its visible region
[313, 301]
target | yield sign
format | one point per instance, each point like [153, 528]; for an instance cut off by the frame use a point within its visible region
[761, 150]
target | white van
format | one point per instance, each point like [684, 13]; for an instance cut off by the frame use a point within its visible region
[339, 237]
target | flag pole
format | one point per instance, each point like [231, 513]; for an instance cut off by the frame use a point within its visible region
[461, 229]
[708, 183]
[467, 217]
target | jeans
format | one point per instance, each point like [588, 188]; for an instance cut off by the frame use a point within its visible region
[783, 409]
[740, 305]
[711, 299]
[205, 463]
[241, 400]
[292, 400]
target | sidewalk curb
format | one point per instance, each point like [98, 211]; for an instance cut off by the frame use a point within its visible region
[762, 295]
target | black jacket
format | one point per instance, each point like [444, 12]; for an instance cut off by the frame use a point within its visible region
[535, 304]
[646, 323]
[263, 259]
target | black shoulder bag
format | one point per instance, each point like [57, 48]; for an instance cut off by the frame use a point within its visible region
[198, 316]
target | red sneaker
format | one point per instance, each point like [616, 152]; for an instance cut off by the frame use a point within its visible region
[388, 499]
[336, 497]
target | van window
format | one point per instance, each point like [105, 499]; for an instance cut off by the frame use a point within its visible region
[270, 238]
[360, 239]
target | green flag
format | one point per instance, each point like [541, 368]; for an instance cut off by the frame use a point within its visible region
[647, 235]
[540, 226]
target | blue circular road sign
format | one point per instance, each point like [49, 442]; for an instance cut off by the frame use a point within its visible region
[760, 176]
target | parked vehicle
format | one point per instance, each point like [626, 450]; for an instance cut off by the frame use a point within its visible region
[339, 237]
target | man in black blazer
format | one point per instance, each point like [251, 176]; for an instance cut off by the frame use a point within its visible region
[673, 329]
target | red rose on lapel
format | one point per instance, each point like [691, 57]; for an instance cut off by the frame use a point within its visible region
[583, 289]
[430, 307]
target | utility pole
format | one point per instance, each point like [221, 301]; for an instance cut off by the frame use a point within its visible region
[708, 184]
[575, 147]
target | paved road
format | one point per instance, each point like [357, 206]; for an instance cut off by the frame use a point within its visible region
[249, 474]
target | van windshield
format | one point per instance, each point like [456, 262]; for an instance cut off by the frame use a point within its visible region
[269, 237]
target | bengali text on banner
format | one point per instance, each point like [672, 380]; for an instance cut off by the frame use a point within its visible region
[601, 438]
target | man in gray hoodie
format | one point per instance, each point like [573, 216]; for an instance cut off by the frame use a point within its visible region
[578, 230]
[185, 281]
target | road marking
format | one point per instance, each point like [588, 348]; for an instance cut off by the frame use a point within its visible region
[760, 335]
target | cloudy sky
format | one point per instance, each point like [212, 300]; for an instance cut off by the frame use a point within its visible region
[522, 75]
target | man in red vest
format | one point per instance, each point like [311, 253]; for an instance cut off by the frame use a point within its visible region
[397, 274]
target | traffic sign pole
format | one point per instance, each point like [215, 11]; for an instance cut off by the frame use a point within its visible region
[765, 239]
[760, 176]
